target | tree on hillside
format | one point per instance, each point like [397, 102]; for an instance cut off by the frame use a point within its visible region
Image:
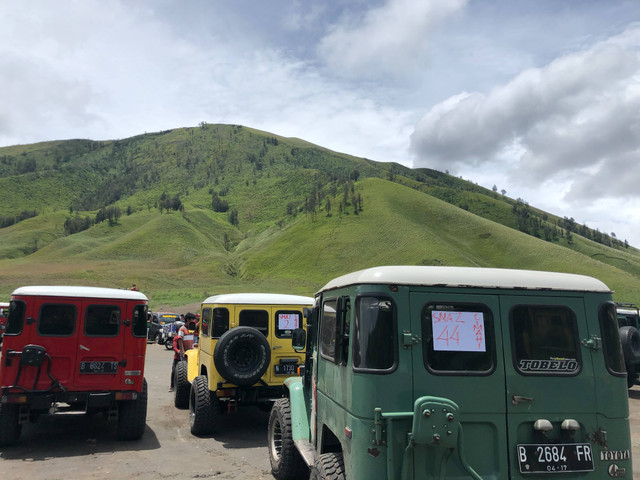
[233, 217]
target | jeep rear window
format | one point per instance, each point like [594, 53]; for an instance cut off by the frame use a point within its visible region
[611, 345]
[258, 319]
[374, 335]
[458, 339]
[15, 320]
[205, 321]
[220, 322]
[102, 321]
[139, 327]
[545, 340]
[57, 320]
[286, 322]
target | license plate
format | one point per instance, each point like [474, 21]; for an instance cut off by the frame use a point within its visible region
[286, 369]
[555, 458]
[98, 367]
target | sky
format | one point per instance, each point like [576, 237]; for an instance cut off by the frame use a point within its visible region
[539, 98]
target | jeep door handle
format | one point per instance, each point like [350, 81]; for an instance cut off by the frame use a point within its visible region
[516, 399]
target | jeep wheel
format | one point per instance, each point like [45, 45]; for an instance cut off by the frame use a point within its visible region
[286, 462]
[328, 466]
[630, 340]
[242, 355]
[168, 343]
[132, 416]
[203, 407]
[10, 427]
[182, 387]
[158, 339]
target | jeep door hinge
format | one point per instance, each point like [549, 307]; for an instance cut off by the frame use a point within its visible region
[409, 339]
[594, 343]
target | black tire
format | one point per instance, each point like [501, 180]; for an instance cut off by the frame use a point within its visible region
[242, 355]
[286, 462]
[182, 387]
[630, 340]
[10, 427]
[328, 466]
[168, 343]
[158, 339]
[132, 416]
[204, 407]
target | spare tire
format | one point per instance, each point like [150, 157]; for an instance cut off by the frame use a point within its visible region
[630, 340]
[242, 355]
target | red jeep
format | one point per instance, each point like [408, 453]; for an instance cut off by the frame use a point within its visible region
[4, 309]
[74, 350]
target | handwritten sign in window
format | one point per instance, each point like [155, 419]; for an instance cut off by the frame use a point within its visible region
[288, 321]
[458, 331]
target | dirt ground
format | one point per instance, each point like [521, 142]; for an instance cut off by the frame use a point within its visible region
[64, 447]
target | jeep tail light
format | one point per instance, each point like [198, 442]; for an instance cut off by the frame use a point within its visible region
[17, 399]
[126, 395]
[228, 392]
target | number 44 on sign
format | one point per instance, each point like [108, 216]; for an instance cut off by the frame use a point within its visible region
[458, 331]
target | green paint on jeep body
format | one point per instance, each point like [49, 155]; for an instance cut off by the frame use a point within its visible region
[444, 372]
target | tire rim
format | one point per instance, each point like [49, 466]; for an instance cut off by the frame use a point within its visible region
[276, 439]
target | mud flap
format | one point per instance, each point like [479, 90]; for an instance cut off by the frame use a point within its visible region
[437, 432]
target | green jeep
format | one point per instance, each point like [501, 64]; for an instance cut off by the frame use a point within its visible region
[629, 323]
[444, 372]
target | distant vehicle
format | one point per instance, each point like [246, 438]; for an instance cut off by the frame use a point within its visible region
[629, 324]
[156, 324]
[243, 357]
[425, 373]
[74, 350]
[4, 311]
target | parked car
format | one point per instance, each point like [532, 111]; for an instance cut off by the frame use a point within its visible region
[244, 355]
[629, 324]
[4, 311]
[157, 322]
[74, 350]
[443, 372]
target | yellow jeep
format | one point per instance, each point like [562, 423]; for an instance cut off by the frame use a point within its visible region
[244, 354]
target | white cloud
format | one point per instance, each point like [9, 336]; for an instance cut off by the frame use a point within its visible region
[390, 39]
[580, 113]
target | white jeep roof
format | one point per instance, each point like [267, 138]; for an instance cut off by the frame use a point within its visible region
[80, 292]
[260, 299]
[470, 277]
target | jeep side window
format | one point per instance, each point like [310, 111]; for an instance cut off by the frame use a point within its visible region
[220, 322]
[286, 322]
[258, 319]
[15, 320]
[139, 321]
[611, 340]
[327, 340]
[205, 321]
[57, 320]
[458, 339]
[102, 321]
[545, 340]
[374, 335]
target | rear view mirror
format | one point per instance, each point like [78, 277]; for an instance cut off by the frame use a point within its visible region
[299, 339]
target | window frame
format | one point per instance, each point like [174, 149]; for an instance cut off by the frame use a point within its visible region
[490, 338]
[207, 314]
[607, 339]
[75, 319]
[142, 320]
[103, 305]
[22, 320]
[393, 342]
[551, 373]
[213, 323]
[278, 331]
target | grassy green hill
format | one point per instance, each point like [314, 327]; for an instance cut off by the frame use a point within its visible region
[218, 208]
